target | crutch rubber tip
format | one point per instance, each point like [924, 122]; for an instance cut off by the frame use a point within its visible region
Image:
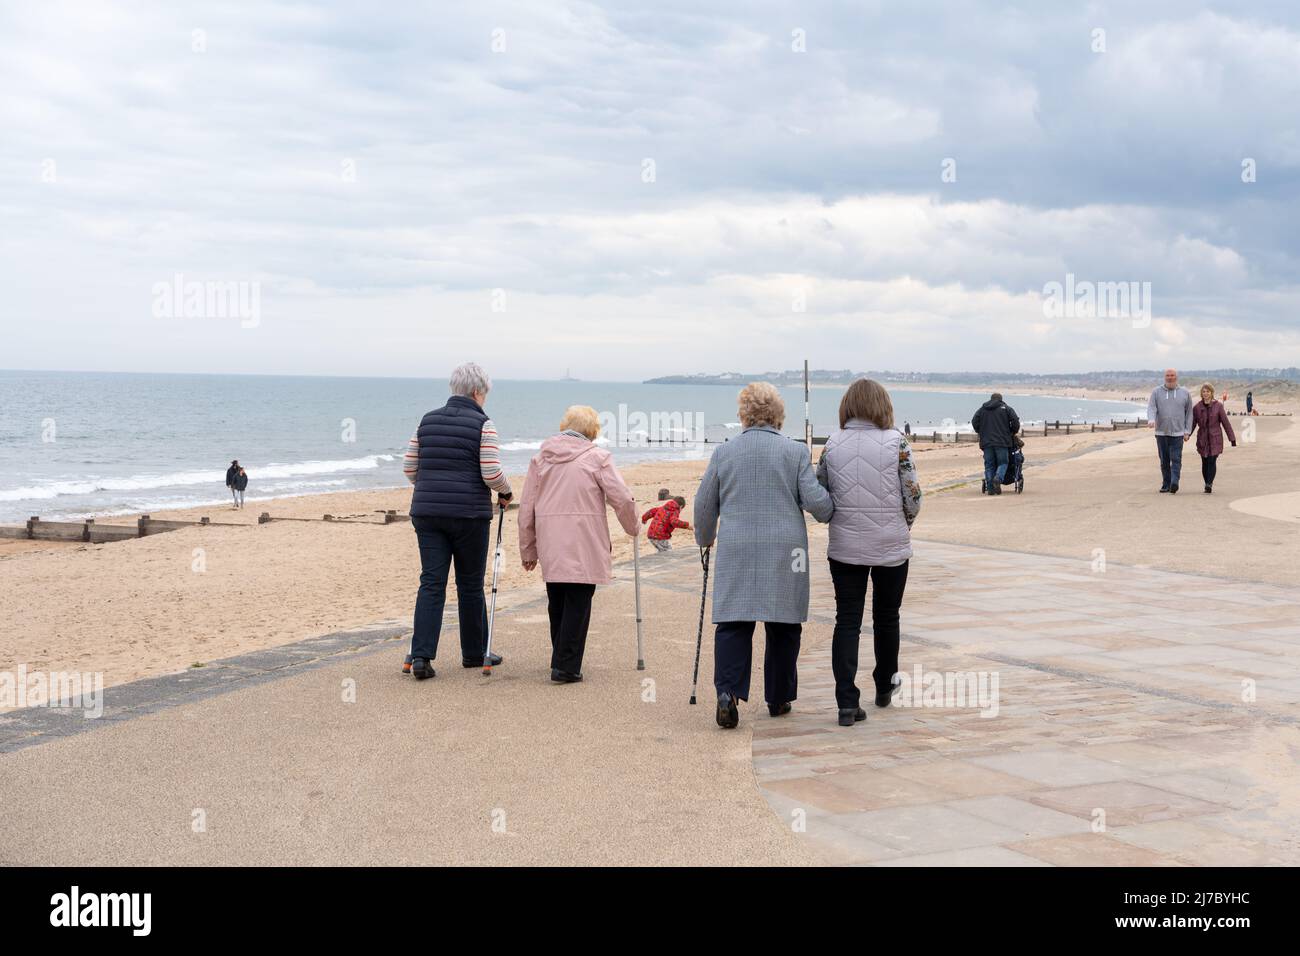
[692, 698]
[487, 672]
[640, 665]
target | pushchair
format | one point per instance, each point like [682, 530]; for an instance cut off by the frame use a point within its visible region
[1015, 474]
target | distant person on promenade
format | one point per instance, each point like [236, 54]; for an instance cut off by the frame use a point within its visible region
[454, 462]
[664, 520]
[1210, 421]
[997, 424]
[241, 483]
[1169, 412]
[867, 467]
[757, 486]
[1250, 403]
[231, 472]
[562, 526]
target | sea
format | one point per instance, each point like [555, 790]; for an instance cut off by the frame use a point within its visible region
[82, 444]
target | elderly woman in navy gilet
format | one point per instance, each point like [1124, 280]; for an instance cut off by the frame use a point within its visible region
[867, 467]
[454, 462]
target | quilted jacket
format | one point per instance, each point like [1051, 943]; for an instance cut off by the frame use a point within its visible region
[863, 468]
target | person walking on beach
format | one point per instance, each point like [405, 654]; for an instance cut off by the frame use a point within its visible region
[1169, 412]
[867, 467]
[241, 483]
[231, 472]
[562, 526]
[757, 486]
[1250, 403]
[997, 424]
[1210, 421]
[454, 462]
[664, 520]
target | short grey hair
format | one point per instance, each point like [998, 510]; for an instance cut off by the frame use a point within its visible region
[470, 380]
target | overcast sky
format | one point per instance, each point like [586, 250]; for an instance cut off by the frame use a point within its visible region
[629, 190]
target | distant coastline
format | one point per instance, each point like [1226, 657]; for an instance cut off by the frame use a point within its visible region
[1268, 384]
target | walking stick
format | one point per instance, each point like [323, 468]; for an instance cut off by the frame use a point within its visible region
[636, 576]
[492, 609]
[699, 637]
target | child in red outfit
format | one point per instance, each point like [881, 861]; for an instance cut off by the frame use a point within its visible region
[663, 521]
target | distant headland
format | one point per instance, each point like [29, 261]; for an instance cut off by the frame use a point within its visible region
[1271, 380]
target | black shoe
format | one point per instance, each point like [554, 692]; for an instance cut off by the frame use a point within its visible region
[565, 677]
[779, 710]
[421, 669]
[493, 659]
[1209, 489]
[1173, 489]
[996, 488]
[883, 698]
[728, 713]
[406, 665]
[1164, 489]
[851, 715]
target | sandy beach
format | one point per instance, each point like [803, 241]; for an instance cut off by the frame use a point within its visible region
[171, 601]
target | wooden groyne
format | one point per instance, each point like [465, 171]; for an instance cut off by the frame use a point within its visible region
[90, 532]
[1042, 431]
[386, 517]
[1079, 427]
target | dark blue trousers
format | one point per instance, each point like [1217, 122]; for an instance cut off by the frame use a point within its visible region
[996, 460]
[1171, 458]
[733, 651]
[444, 542]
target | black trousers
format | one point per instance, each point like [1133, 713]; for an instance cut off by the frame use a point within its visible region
[444, 542]
[850, 598]
[569, 607]
[1209, 468]
[733, 652]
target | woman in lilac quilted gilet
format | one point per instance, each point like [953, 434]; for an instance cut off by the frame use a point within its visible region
[867, 467]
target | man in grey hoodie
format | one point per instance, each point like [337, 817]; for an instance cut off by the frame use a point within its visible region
[1169, 411]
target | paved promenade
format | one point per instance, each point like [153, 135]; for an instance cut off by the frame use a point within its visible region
[1140, 717]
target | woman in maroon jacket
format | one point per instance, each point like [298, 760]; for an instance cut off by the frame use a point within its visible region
[1209, 422]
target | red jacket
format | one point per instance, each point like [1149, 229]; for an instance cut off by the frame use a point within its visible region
[1209, 422]
[665, 520]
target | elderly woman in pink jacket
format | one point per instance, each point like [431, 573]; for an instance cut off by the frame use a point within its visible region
[562, 524]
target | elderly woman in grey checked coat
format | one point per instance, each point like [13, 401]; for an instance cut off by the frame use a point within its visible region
[757, 487]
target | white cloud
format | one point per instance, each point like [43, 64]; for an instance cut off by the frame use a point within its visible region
[522, 170]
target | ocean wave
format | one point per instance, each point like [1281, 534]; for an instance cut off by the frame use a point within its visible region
[276, 486]
[536, 445]
[56, 489]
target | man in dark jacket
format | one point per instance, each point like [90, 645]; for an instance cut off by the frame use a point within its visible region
[231, 472]
[997, 424]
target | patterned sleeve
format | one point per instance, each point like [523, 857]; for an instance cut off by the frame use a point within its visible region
[910, 482]
[489, 460]
[411, 460]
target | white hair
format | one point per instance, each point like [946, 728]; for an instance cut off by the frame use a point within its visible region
[470, 380]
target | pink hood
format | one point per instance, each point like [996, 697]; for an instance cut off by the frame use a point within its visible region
[562, 516]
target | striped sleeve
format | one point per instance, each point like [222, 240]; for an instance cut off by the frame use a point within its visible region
[411, 460]
[489, 460]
